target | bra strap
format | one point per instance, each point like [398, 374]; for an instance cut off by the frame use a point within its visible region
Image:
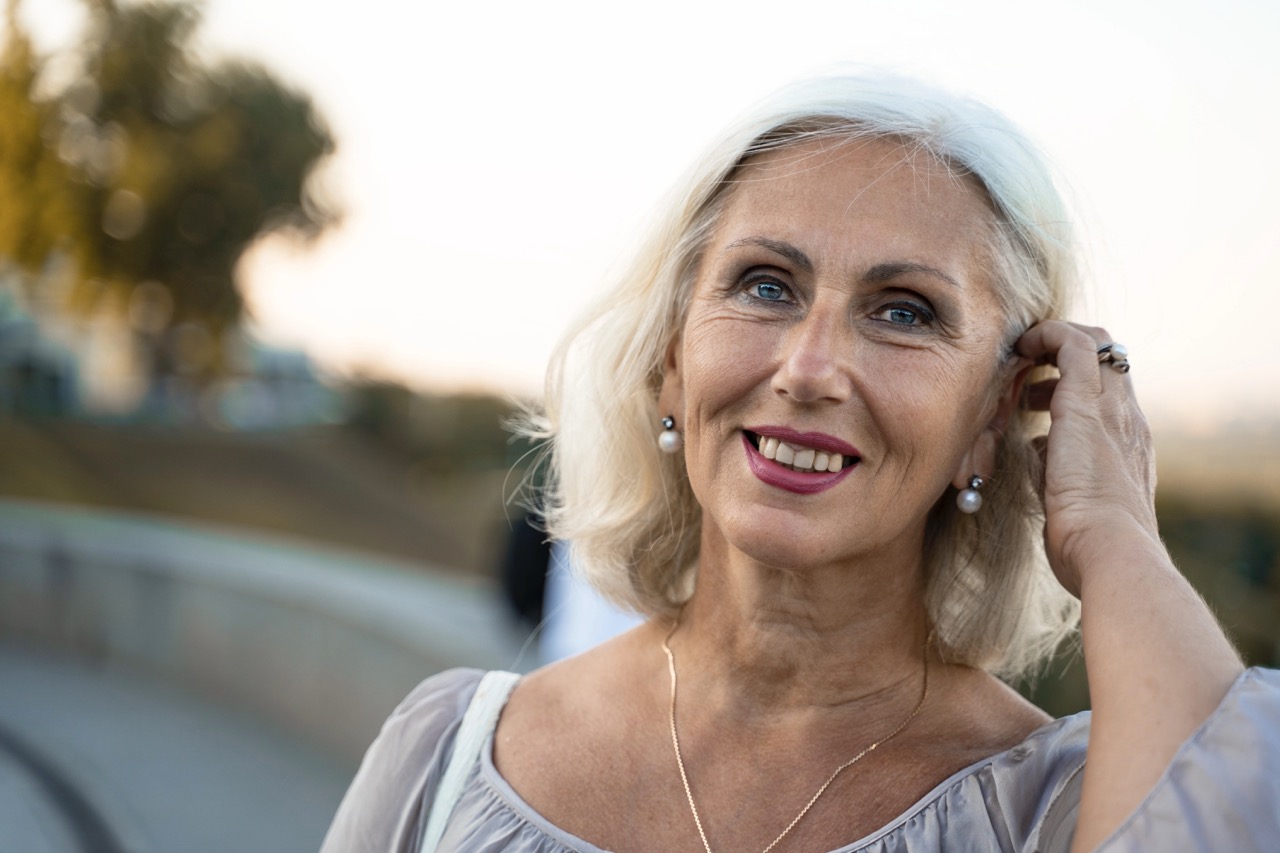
[477, 723]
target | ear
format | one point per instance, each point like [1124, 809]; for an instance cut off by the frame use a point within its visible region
[980, 458]
[671, 396]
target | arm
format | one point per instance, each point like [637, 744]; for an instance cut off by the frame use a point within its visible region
[1157, 662]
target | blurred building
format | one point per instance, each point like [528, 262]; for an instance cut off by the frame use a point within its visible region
[38, 376]
[133, 368]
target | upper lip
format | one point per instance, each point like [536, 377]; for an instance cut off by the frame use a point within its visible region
[816, 440]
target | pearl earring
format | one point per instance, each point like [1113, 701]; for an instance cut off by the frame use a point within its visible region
[969, 501]
[669, 440]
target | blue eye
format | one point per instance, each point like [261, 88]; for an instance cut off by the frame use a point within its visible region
[770, 291]
[906, 315]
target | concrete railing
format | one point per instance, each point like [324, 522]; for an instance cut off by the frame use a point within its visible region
[321, 642]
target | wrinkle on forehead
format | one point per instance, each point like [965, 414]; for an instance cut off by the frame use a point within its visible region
[896, 154]
[896, 181]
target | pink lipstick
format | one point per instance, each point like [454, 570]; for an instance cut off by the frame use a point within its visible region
[798, 482]
[816, 440]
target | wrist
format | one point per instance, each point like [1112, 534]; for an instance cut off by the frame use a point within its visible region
[1108, 551]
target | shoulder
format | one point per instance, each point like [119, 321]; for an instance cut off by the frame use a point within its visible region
[1009, 774]
[1024, 797]
[1035, 774]
[437, 700]
[422, 726]
[1219, 792]
[976, 716]
[380, 809]
[1037, 783]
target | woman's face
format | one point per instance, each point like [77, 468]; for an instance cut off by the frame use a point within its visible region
[843, 322]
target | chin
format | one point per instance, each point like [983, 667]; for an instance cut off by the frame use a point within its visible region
[782, 541]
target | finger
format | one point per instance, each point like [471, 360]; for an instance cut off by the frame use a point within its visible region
[1115, 363]
[1073, 348]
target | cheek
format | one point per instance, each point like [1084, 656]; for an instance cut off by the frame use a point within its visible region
[925, 380]
[723, 362]
[932, 406]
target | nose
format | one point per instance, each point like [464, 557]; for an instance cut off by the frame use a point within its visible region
[814, 361]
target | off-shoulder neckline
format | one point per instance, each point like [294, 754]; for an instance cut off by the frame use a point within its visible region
[502, 788]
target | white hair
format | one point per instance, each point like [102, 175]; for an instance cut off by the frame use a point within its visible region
[628, 509]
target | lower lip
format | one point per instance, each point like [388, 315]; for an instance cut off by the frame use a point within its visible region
[801, 483]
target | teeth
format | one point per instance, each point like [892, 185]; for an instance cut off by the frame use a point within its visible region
[798, 458]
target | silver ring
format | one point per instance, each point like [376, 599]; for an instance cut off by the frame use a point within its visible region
[1116, 355]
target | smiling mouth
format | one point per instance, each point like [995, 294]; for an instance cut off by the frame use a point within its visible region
[797, 457]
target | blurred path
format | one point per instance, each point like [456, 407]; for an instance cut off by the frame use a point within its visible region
[113, 761]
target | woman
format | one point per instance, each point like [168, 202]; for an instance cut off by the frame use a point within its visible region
[833, 336]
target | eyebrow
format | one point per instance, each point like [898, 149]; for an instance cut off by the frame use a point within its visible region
[786, 250]
[888, 271]
[879, 273]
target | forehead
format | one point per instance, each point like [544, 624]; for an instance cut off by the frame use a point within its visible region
[872, 193]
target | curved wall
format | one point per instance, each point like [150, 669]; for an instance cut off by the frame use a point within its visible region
[321, 642]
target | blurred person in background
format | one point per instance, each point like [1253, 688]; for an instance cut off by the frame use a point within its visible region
[805, 437]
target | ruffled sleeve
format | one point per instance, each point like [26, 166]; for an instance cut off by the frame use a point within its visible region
[1222, 790]
[380, 812]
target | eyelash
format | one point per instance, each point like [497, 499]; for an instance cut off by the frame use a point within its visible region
[923, 314]
[750, 287]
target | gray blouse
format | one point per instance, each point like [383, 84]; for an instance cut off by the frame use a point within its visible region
[1221, 792]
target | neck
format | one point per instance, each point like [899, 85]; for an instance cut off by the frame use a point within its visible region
[768, 639]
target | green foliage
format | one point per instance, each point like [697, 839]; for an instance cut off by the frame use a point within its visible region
[33, 201]
[152, 168]
[1230, 552]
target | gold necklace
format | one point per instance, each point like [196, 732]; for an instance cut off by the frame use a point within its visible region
[684, 778]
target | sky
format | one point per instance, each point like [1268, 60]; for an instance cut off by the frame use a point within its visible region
[497, 160]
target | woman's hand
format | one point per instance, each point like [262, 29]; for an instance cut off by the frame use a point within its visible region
[1099, 467]
[1157, 662]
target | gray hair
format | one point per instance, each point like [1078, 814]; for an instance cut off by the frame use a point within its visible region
[628, 510]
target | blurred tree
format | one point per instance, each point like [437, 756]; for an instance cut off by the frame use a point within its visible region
[32, 179]
[154, 173]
